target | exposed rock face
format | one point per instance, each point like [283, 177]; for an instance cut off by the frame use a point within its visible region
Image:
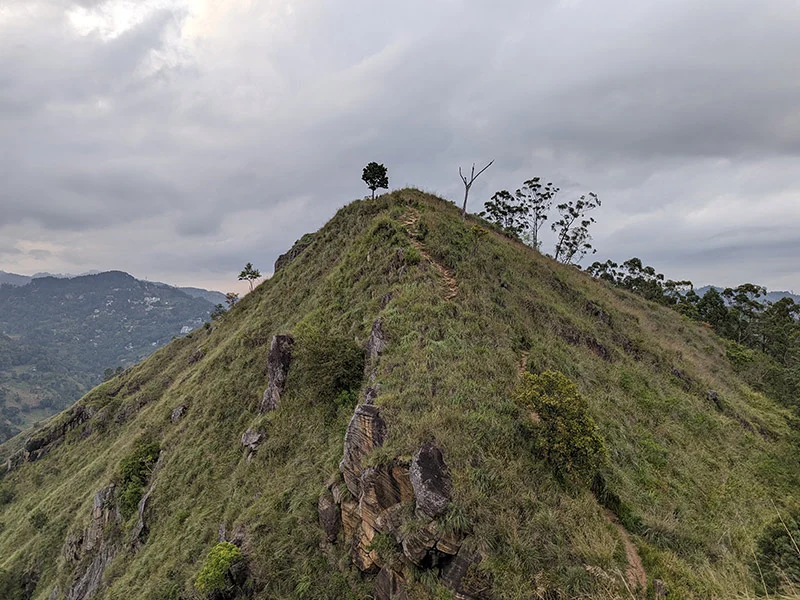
[42, 441]
[278, 362]
[455, 575]
[713, 396]
[329, 516]
[433, 486]
[295, 251]
[376, 344]
[177, 413]
[96, 543]
[140, 531]
[251, 439]
[390, 585]
[196, 356]
[367, 430]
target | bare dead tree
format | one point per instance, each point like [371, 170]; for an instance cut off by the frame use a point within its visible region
[468, 184]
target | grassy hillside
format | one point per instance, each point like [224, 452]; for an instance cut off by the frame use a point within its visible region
[687, 486]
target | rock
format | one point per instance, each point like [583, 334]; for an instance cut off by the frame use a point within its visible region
[90, 579]
[389, 585]
[713, 396]
[278, 361]
[43, 440]
[140, 531]
[454, 573]
[366, 431]
[660, 590]
[351, 518]
[370, 394]
[196, 356]
[296, 250]
[433, 485]
[177, 413]
[598, 312]
[251, 440]
[104, 512]
[376, 344]
[417, 545]
[329, 516]
[684, 378]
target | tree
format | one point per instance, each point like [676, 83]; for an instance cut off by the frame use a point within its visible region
[231, 298]
[219, 311]
[538, 199]
[374, 175]
[249, 274]
[506, 212]
[468, 184]
[572, 229]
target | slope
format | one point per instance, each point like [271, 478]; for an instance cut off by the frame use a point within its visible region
[454, 492]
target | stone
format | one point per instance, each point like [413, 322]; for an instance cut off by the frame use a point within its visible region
[296, 250]
[376, 344]
[417, 545]
[389, 585]
[351, 519]
[177, 413]
[660, 590]
[366, 431]
[104, 512]
[431, 480]
[713, 396]
[141, 529]
[43, 440]
[196, 356]
[278, 361]
[330, 516]
[454, 572]
[251, 440]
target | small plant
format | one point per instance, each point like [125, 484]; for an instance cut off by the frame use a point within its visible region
[215, 576]
[568, 436]
[778, 555]
[38, 519]
[134, 472]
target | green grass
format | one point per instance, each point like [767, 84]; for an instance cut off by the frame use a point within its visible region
[697, 485]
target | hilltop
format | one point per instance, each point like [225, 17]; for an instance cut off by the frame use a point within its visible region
[416, 407]
[59, 335]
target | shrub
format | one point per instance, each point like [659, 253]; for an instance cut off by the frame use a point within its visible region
[38, 519]
[215, 575]
[566, 433]
[328, 363]
[6, 495]
[134, 472]
[778, 555]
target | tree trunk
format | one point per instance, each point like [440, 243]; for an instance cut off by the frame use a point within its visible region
[373, 194]
[464, 208]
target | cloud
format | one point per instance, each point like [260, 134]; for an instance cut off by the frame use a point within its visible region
[179, 138]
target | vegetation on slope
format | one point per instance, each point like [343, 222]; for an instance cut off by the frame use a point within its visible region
[693, 483]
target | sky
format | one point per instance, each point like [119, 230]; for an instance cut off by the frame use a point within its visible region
[179, 139]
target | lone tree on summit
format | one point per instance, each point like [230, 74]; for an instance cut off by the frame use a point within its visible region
[249, 274]
[468, 184]
[375, 177]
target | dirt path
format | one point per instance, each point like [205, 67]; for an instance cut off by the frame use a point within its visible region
[635, 576]
[448, 277]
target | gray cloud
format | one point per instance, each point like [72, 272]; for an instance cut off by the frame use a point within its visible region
[187, 137]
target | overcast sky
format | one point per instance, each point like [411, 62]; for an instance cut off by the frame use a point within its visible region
[179, 139]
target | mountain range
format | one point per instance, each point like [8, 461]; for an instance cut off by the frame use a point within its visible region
[415, 406]
[59, 335]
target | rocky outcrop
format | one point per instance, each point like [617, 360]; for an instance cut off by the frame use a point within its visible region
[278, 361]
[713, 396]
[329, 516]
[140, 531]
[390, 585]
[366, 431]
[433, 485]
[94, 548]
[459, 575]
[251, 440]
[41, 442]
[296, 250]
[196, 356]
[177, 413]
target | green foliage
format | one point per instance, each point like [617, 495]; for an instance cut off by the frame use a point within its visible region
[219, 311]
[250, 274]
[6, 495]
[38, 519]
[326, 363]
[570, 439]
[573, 241]
[374, 175]
[215, 575]
[778, 554]
[134, 472]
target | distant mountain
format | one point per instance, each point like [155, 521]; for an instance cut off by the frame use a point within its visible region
[60, 334]
[13, 279]
[770, 297]
[210, 295]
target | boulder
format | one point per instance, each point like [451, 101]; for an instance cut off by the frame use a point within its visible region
[454, 574]
[251, 440]
[431, 480]
[177, 413]
[329, 516]
[389, 585]
[366, 431]
[278, 361]
[660, 590]
[713, 396]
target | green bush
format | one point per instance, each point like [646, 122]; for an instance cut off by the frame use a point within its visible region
[327, 363]
[778, 554]
[215, 575]
[565, 431]
[134, 472]
[38, 519]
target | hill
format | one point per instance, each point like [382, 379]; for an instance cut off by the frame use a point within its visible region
[411, 407]
[772, 296]
[73, 329]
